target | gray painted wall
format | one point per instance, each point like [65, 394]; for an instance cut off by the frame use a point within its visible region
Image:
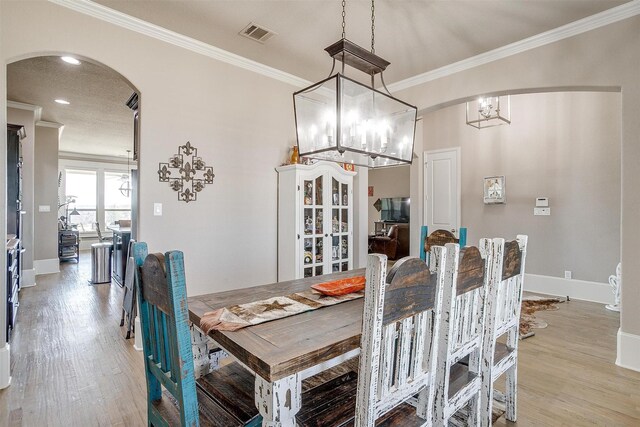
[565, 146]
[46, 193]
[229, 235]
[187, 93]
[606, 59]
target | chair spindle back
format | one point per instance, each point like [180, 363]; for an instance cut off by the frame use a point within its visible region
[164, 320]
[503, 318]
[509, 291]
[466, 328]
[399, 336]
[468, 271]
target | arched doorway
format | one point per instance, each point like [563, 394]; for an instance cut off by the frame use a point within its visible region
[81, 121]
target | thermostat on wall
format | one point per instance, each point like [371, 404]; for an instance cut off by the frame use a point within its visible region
[542, 202]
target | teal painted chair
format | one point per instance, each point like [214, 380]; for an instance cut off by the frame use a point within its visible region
[224, 397]
[439, 238]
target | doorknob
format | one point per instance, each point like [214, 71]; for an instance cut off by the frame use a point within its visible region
[453, 230]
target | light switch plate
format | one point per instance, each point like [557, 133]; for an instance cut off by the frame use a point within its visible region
[44, 208]
[542, 211]
[157, 209]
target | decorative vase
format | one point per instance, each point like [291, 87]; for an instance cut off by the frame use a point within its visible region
[295, 158]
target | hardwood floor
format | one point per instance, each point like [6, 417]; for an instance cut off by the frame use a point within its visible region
[71, 365]
[567, 372]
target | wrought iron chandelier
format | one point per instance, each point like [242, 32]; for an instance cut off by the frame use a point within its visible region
[342, 120]
[125, 187]
[489, 112]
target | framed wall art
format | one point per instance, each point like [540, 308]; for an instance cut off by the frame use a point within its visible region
[494, 190]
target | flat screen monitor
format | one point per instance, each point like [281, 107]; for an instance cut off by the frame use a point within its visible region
[395, 209]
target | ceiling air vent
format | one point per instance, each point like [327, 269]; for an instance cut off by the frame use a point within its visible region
[257, 33]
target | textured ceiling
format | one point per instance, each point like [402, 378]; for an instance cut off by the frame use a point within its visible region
[97, 121]
[416, 36]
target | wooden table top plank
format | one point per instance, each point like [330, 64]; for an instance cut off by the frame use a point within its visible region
[285, 346]
[262, 292]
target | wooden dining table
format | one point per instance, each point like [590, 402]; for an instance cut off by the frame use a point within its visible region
[285, 351]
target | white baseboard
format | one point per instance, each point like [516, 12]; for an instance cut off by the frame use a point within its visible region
[46, 266]
[576, 289]
[5, 366]
[28, 278]
[628, 351]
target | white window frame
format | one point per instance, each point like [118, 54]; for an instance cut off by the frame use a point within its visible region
[101, 188]
[100, 168]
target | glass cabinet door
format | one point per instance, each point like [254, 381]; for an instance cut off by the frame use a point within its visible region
[340, 227]
[313, 226]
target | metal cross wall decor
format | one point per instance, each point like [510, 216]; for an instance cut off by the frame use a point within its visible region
[191, 173]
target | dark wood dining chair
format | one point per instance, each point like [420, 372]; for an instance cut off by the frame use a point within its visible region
[225, 397]
[439, 238]
[399, 344]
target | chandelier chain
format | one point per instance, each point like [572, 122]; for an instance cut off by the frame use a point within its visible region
[373, 26]
[344, 3]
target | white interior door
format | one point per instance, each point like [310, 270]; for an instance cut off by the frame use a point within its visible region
[442, 190]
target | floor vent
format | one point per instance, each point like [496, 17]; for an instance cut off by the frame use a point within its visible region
[257, 33]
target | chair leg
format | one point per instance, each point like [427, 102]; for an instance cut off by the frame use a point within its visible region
[474, 411]
[486, 401]
[511, 392]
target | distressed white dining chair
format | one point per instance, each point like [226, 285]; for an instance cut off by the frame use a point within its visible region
[467, 274]
[400, 326]
[503, 318]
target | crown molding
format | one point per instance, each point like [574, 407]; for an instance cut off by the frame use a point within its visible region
[37, 110]
[143, 27]
[609, 16]
[53, 125]
[589, 23]
[46, 124]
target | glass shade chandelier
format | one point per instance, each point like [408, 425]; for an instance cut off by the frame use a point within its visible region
[489, 111]
[341, 120]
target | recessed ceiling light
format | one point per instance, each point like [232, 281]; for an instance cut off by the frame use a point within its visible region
[62, 101]
[71, 60]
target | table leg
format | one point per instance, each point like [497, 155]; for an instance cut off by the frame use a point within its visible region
[278, 402]
[203, 359]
